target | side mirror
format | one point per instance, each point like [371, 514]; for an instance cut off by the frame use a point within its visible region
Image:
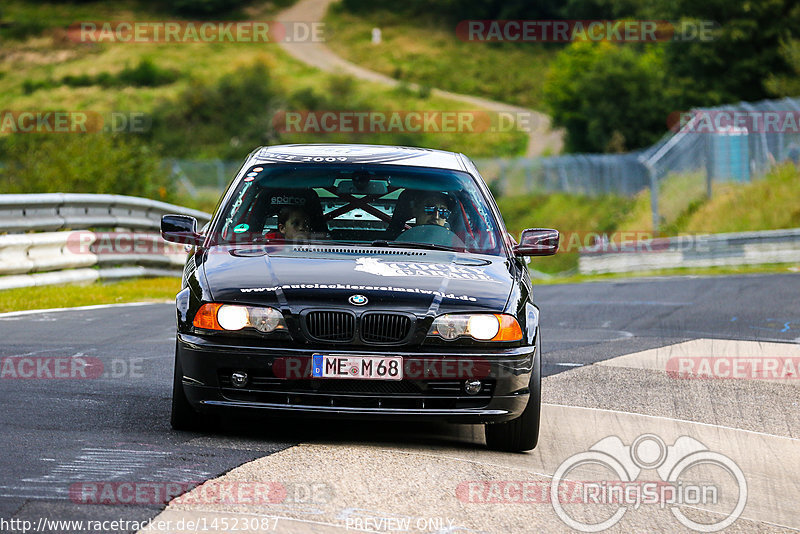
[537, 242]
[180, 229]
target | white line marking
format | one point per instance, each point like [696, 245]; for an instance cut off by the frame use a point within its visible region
[81, 308]
[673, 419]
[565, 364]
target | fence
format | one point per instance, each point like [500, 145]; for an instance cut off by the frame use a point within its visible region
[197, 175]
[734, 154]
[699, 148]
[61, 248]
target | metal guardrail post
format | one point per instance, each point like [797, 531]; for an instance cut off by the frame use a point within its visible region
[709, 150]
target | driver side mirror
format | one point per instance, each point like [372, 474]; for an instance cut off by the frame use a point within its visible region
[180, 229]
[537, 242]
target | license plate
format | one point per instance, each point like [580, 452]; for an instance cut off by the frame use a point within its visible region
[366, 367]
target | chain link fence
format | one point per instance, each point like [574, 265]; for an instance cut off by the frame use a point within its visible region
[735, 143]
[198, 176]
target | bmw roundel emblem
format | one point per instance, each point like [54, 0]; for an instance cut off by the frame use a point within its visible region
[357, 300]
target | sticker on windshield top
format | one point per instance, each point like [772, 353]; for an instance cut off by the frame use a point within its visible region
[429, 270]
[337, 154]
[241, 228]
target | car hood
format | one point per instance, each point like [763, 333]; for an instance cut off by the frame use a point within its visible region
[300, 277]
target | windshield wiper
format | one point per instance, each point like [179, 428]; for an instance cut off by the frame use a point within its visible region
[413, 244]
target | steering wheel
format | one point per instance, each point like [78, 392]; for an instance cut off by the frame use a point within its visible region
[433, 234]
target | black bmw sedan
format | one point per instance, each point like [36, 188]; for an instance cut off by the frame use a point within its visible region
[359, 281]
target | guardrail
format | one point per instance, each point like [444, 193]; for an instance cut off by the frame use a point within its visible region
[72, 253]
[703, 250]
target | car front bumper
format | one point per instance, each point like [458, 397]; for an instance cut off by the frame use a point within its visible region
[432, 388]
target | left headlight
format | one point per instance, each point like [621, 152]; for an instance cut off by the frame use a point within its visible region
[213, 316]
[480, 326]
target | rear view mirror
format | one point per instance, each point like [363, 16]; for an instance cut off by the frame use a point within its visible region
[180, 229]
[370, 187]
[537, 242]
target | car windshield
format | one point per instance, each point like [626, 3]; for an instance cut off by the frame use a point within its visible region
[376, 205]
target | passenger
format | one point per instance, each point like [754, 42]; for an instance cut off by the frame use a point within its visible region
[293, 224]
[432, 208]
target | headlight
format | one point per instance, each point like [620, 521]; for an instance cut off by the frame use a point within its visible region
[480, 326]
[232, 317]
[214, 316]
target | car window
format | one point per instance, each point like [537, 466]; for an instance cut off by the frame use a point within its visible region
[360, 205]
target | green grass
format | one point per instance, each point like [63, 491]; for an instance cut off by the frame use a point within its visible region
[770, 203]
[431, 55]
[574, 216]
[767, 204]
[776, 268]
[50, 57]
[71, 295]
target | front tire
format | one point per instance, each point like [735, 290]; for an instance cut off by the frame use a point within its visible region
[522, 433]
[183, 416]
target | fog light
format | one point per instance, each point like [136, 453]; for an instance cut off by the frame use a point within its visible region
[239, 379]
[472, 387]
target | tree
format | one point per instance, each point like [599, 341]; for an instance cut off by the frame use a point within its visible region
[608, 97]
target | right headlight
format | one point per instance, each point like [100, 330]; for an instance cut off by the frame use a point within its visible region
[479, 326]
[213, 316]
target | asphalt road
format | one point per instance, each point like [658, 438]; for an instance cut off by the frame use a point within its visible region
[61, 435]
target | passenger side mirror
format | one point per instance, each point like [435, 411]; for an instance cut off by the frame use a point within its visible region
[537, 242]
[180, 229]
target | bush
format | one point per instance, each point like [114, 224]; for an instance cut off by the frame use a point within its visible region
[217, 120]
[82, 163]
[206, 8]
[610, 98]
[146, 74]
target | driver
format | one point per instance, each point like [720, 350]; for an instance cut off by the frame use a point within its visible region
[293, 224]
[432, 208]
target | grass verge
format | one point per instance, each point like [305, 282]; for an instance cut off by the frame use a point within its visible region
[72, 295]
[769, 203]
[428, 54]
[35, 67]
[774, 268]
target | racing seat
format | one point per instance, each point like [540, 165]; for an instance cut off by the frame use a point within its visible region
[272, 201]
[402, 213]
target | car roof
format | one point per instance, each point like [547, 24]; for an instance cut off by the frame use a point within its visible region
[352, 153]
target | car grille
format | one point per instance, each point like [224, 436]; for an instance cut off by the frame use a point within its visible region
[384, 327]
[331, 325]
[339, 326]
